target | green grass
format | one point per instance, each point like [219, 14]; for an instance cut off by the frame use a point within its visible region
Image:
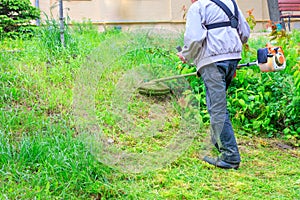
[42, 155]
[60, 167]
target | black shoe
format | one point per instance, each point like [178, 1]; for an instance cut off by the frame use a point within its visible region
[220, 163]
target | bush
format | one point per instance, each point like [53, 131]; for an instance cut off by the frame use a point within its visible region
[264, 104]
[268, 103]
[16, 17]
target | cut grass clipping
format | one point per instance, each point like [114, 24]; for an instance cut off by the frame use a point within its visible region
[123, 128]
[42, 157]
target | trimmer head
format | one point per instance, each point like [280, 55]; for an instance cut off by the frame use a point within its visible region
[157, 87]
[154, 88]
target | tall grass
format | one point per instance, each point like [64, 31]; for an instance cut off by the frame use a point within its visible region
[50, 164]
[42, 158]
[38, 150]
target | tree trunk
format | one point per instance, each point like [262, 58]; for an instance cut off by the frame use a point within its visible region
[37, 5]
[274, 10]
[62, 23]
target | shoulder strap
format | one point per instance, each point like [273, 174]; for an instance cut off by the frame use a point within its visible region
[233, 19]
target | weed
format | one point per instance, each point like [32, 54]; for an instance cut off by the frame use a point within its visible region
[42, 154]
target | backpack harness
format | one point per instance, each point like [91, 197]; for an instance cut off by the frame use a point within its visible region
[233, 19]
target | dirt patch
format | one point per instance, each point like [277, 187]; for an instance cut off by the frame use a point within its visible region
[269, 143]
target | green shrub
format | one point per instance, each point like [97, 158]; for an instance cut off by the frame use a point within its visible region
[16, 18]
[267, 104]
[264, 104]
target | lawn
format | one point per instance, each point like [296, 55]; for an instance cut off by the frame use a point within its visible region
[73, 126]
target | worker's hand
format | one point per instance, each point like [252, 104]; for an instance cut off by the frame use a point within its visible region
[182, 58]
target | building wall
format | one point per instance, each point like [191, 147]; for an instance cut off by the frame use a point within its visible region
[128, 13]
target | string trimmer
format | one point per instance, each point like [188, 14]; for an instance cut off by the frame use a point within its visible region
[270, 59]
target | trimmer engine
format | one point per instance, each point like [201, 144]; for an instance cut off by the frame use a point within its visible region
[271, 59]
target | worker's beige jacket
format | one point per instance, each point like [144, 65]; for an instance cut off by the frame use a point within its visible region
[202, 46]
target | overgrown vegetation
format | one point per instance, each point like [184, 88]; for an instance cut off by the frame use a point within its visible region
[269, 100]
[42, 158]
[264, 104]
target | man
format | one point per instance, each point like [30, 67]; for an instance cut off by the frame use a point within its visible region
[213, 42]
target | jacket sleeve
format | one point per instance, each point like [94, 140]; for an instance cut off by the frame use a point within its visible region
[194, 34]
[243, 28]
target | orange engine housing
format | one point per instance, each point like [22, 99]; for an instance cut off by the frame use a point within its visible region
[273, 61]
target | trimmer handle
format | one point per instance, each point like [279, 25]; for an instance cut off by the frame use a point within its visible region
[179, 49]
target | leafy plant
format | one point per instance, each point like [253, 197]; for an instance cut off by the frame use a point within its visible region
[265, 104]
[251, 19]
[16, 17]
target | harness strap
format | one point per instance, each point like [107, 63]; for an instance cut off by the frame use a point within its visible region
[233, 19]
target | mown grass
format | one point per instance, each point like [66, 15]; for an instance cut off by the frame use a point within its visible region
[60, 167]
[42, 157]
